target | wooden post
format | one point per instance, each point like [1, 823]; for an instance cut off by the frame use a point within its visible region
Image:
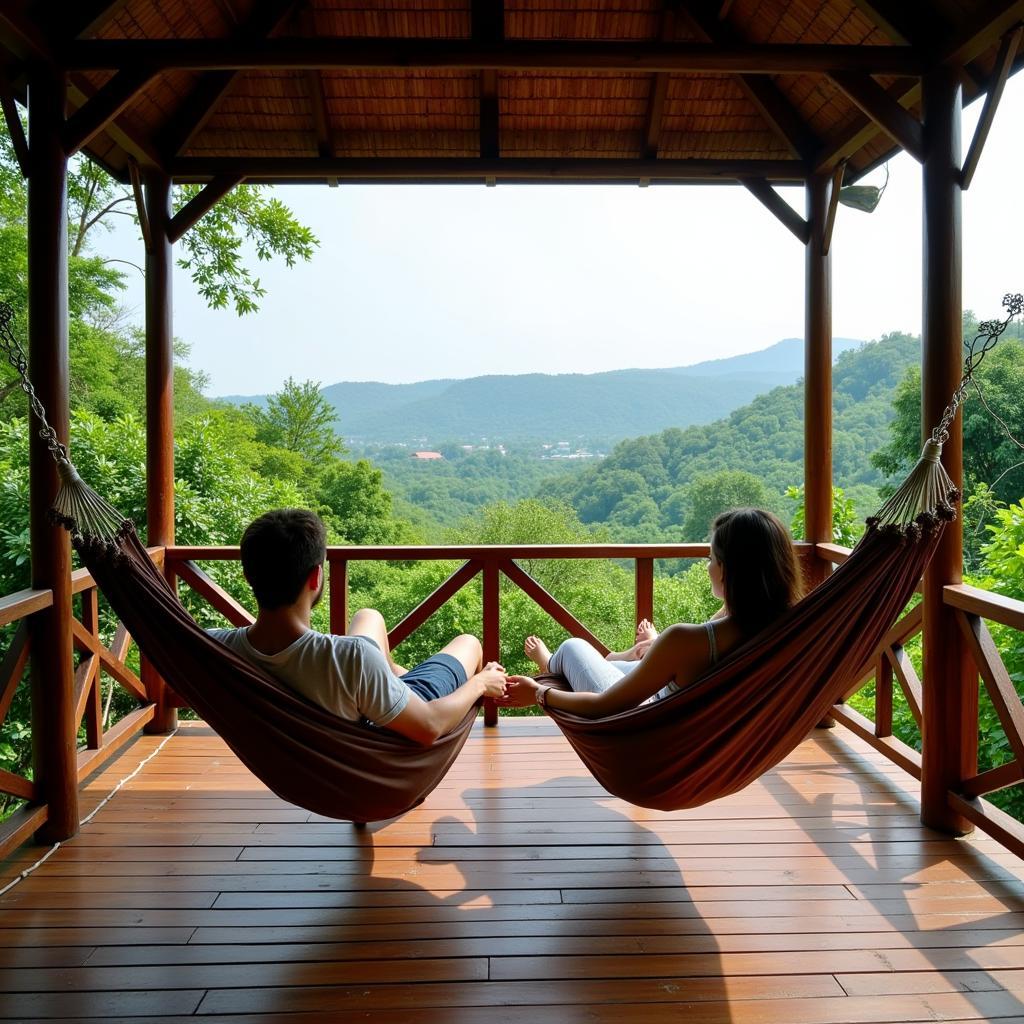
[817, 376]
[159, 408]
[949, 728]
[338, 596]
[644, 590]
[492, 630]
[54, 729]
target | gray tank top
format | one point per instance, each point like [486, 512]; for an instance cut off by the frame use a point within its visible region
[712, 641]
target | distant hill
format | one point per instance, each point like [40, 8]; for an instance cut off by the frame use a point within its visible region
[641, 487]
[598, 406]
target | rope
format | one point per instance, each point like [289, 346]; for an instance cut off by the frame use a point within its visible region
[85, 821]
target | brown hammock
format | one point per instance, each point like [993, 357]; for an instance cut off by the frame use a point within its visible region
[305, 754]
[716, 736]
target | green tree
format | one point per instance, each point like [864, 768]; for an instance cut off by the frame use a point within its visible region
[710, 495]
[298, 419]
[846, 524]
[360, 506]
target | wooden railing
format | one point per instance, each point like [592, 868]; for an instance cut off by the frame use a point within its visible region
[96, 661]
[890, 666]
[973, 607]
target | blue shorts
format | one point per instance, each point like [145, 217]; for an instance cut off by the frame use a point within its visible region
[436, 677]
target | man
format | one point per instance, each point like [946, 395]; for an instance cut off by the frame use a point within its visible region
[354, 676]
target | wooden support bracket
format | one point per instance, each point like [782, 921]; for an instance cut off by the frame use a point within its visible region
[140, 205]
[833, 205]
[893, 118]
[200, 205]
[763, 191]
[14, 126]
[1004, 63]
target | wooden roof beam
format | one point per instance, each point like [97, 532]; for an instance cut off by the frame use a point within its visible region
[1004, 62]
[659, 87]
[96, 113]
[315, 87]
[488, 27]
[200, 104]
[775, 204]
[783, 118]
[895, 120]
[86, 18]
[236, 54]
[200, 205]
[411, 169]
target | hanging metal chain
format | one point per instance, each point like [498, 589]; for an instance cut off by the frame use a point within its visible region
[989, 332]
[16, 357]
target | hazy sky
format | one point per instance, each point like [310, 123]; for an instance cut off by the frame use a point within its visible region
[414, 282]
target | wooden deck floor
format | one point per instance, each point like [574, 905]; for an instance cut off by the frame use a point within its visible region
[519, 892]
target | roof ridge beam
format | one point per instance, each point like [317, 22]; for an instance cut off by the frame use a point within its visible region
[893, 118]
[774, 106]
[219, 55]
[197, 108]
[775, 204]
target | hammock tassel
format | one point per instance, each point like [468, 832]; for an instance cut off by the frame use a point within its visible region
[92, 522]
[925, 499]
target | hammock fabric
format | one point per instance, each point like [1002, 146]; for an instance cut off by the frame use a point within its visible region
[305, 754]
[717, 735]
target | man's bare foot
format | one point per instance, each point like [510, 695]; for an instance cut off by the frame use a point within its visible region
[645, 631]
[537, 651]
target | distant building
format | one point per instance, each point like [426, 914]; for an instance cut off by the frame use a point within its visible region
[427, 456]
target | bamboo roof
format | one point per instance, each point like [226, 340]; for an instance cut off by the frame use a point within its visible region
[442, 90]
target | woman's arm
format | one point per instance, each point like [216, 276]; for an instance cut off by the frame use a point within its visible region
[681, 652]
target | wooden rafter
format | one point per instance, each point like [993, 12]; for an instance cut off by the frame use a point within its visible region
[1004, 62]
[833, 206]
[199, 205]
[250, 53]
[772, 201]
[140, 205]
[488, 28]
[199, 105]
[894, 119]
[413, 169]
[315, 89]
[659, 88]
[782, 117]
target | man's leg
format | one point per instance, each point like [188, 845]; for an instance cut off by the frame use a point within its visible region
[446, 671]
[466, 649]
[370, 623]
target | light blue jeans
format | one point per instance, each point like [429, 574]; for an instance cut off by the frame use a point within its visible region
[585, 668]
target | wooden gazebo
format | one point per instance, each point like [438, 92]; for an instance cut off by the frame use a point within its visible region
[640, 92]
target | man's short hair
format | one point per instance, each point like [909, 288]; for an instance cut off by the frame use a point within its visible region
[279, 551]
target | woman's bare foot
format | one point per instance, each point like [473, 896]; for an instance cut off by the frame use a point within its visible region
[645, 631]
[537, 651]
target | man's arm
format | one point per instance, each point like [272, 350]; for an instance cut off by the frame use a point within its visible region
[425, 721]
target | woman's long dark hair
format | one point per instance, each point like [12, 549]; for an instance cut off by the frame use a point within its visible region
[762, 576]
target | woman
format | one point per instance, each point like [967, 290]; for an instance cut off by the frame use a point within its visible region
[753, 571]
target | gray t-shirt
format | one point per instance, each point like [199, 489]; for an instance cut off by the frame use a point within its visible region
[347, 675]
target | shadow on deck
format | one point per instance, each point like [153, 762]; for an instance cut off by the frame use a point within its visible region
[518, 892]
